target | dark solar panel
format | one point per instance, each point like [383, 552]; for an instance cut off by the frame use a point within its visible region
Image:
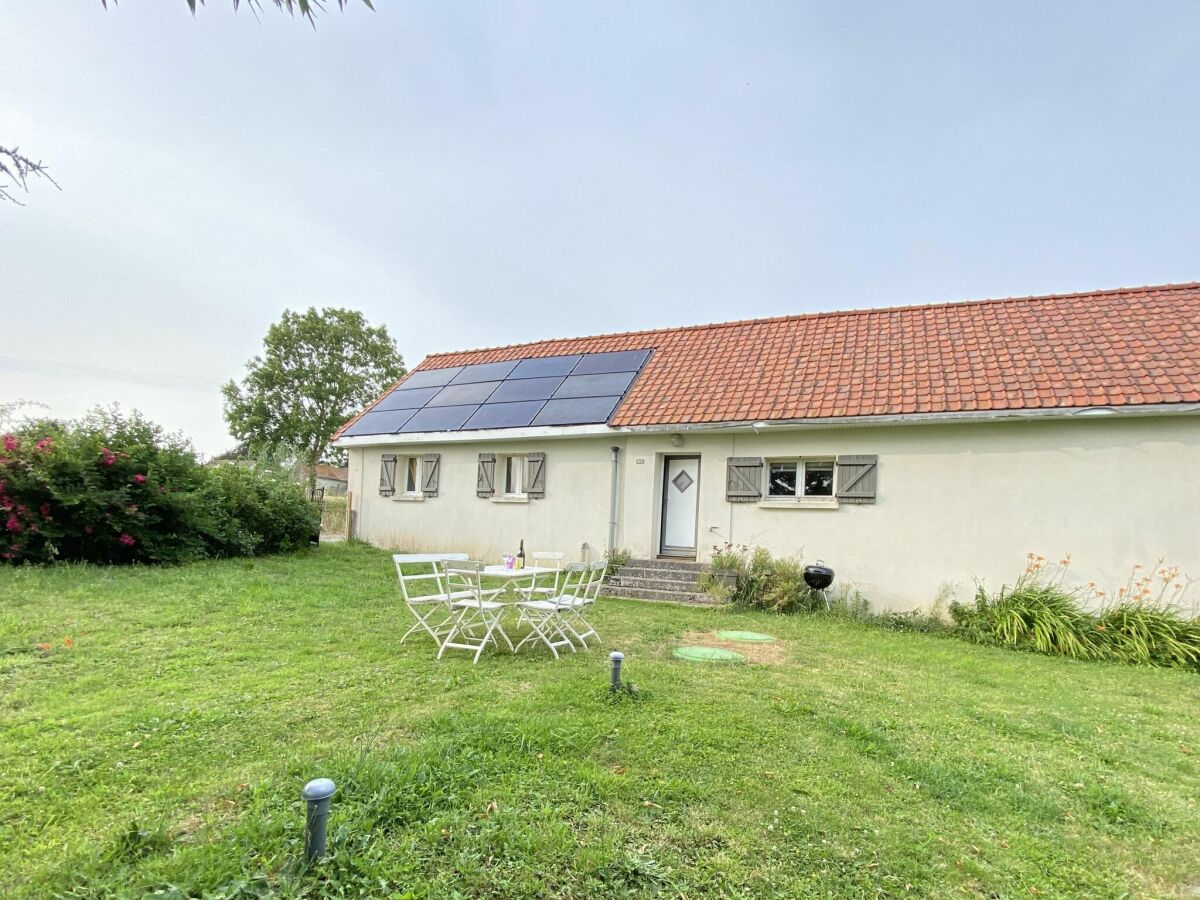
[580, 389]
[526, 389]
[380, 422]
[485, 372]
[431, 377]
[545, 366]
[578, 411]
[505, 415]
[606, 385]
[439, 418]
[620, 361]
[460, 394]
[406, 399]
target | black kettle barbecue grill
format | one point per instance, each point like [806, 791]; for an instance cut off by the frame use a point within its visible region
[819, 577]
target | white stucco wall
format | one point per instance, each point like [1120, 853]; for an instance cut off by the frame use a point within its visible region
[573, 512]
[955, 501]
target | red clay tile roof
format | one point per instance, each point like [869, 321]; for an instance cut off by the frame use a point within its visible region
[1105, 348]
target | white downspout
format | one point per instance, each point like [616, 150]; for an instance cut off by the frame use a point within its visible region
[612, 504]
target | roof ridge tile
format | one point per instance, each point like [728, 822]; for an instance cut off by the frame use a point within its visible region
[824, 314]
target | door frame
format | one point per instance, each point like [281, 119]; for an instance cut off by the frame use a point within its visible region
[663, 548]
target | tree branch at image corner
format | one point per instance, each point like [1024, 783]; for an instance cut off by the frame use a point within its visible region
[307, 8]
[15, 171]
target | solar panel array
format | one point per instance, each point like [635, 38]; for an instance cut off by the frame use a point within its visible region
[581, 389]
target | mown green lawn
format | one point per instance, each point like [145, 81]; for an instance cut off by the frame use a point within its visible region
[165, 751]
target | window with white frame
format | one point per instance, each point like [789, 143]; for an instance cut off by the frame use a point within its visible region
[411, 474]
[799, 479]
[513, 475]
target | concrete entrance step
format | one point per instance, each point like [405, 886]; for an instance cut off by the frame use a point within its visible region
[654, 583]
[659, 596]
[639, 573]
[681, 565]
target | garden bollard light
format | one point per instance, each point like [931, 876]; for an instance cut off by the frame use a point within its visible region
[616, 656]
[317, 792]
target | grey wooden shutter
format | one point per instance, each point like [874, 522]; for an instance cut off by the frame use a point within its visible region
[387, 475]
[431, 473]
[743, 479]
[857, 478]
[535, 475]
[485, 484]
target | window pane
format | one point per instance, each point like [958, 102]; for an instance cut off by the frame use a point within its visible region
[410, 481]
[818, 479]
[782, 481]
[513, 466]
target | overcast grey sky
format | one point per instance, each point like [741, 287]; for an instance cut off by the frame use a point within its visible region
[482, 173]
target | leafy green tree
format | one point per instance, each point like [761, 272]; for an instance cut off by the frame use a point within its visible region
[317, 369]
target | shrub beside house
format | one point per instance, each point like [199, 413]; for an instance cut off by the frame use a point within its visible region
[112, 488]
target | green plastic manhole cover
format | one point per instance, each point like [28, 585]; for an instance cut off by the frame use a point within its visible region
[708, 654]
[750, 637]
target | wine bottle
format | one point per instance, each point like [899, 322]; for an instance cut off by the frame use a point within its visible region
[521, 555]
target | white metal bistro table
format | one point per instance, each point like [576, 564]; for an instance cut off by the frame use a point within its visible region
[488, 608]
[509, 595]
[501, 571]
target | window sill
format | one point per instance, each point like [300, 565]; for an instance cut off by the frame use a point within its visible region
[409, 498]
[807, 503]
[511, 498]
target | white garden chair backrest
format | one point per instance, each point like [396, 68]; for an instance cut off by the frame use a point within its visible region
[465, 575]
[427, 582]
[549, 559]
[596, 574]
[575, 579]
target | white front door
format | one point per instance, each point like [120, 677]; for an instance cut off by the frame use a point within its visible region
[681, 492]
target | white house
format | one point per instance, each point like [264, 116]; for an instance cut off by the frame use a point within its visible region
[913, 449]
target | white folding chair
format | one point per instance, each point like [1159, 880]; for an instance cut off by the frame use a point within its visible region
[427, 602]
[545, 615]
[544, 559]
[533, 591]
[473, 610]
[571, 607]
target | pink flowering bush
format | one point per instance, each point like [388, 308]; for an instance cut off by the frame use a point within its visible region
[113, 488]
